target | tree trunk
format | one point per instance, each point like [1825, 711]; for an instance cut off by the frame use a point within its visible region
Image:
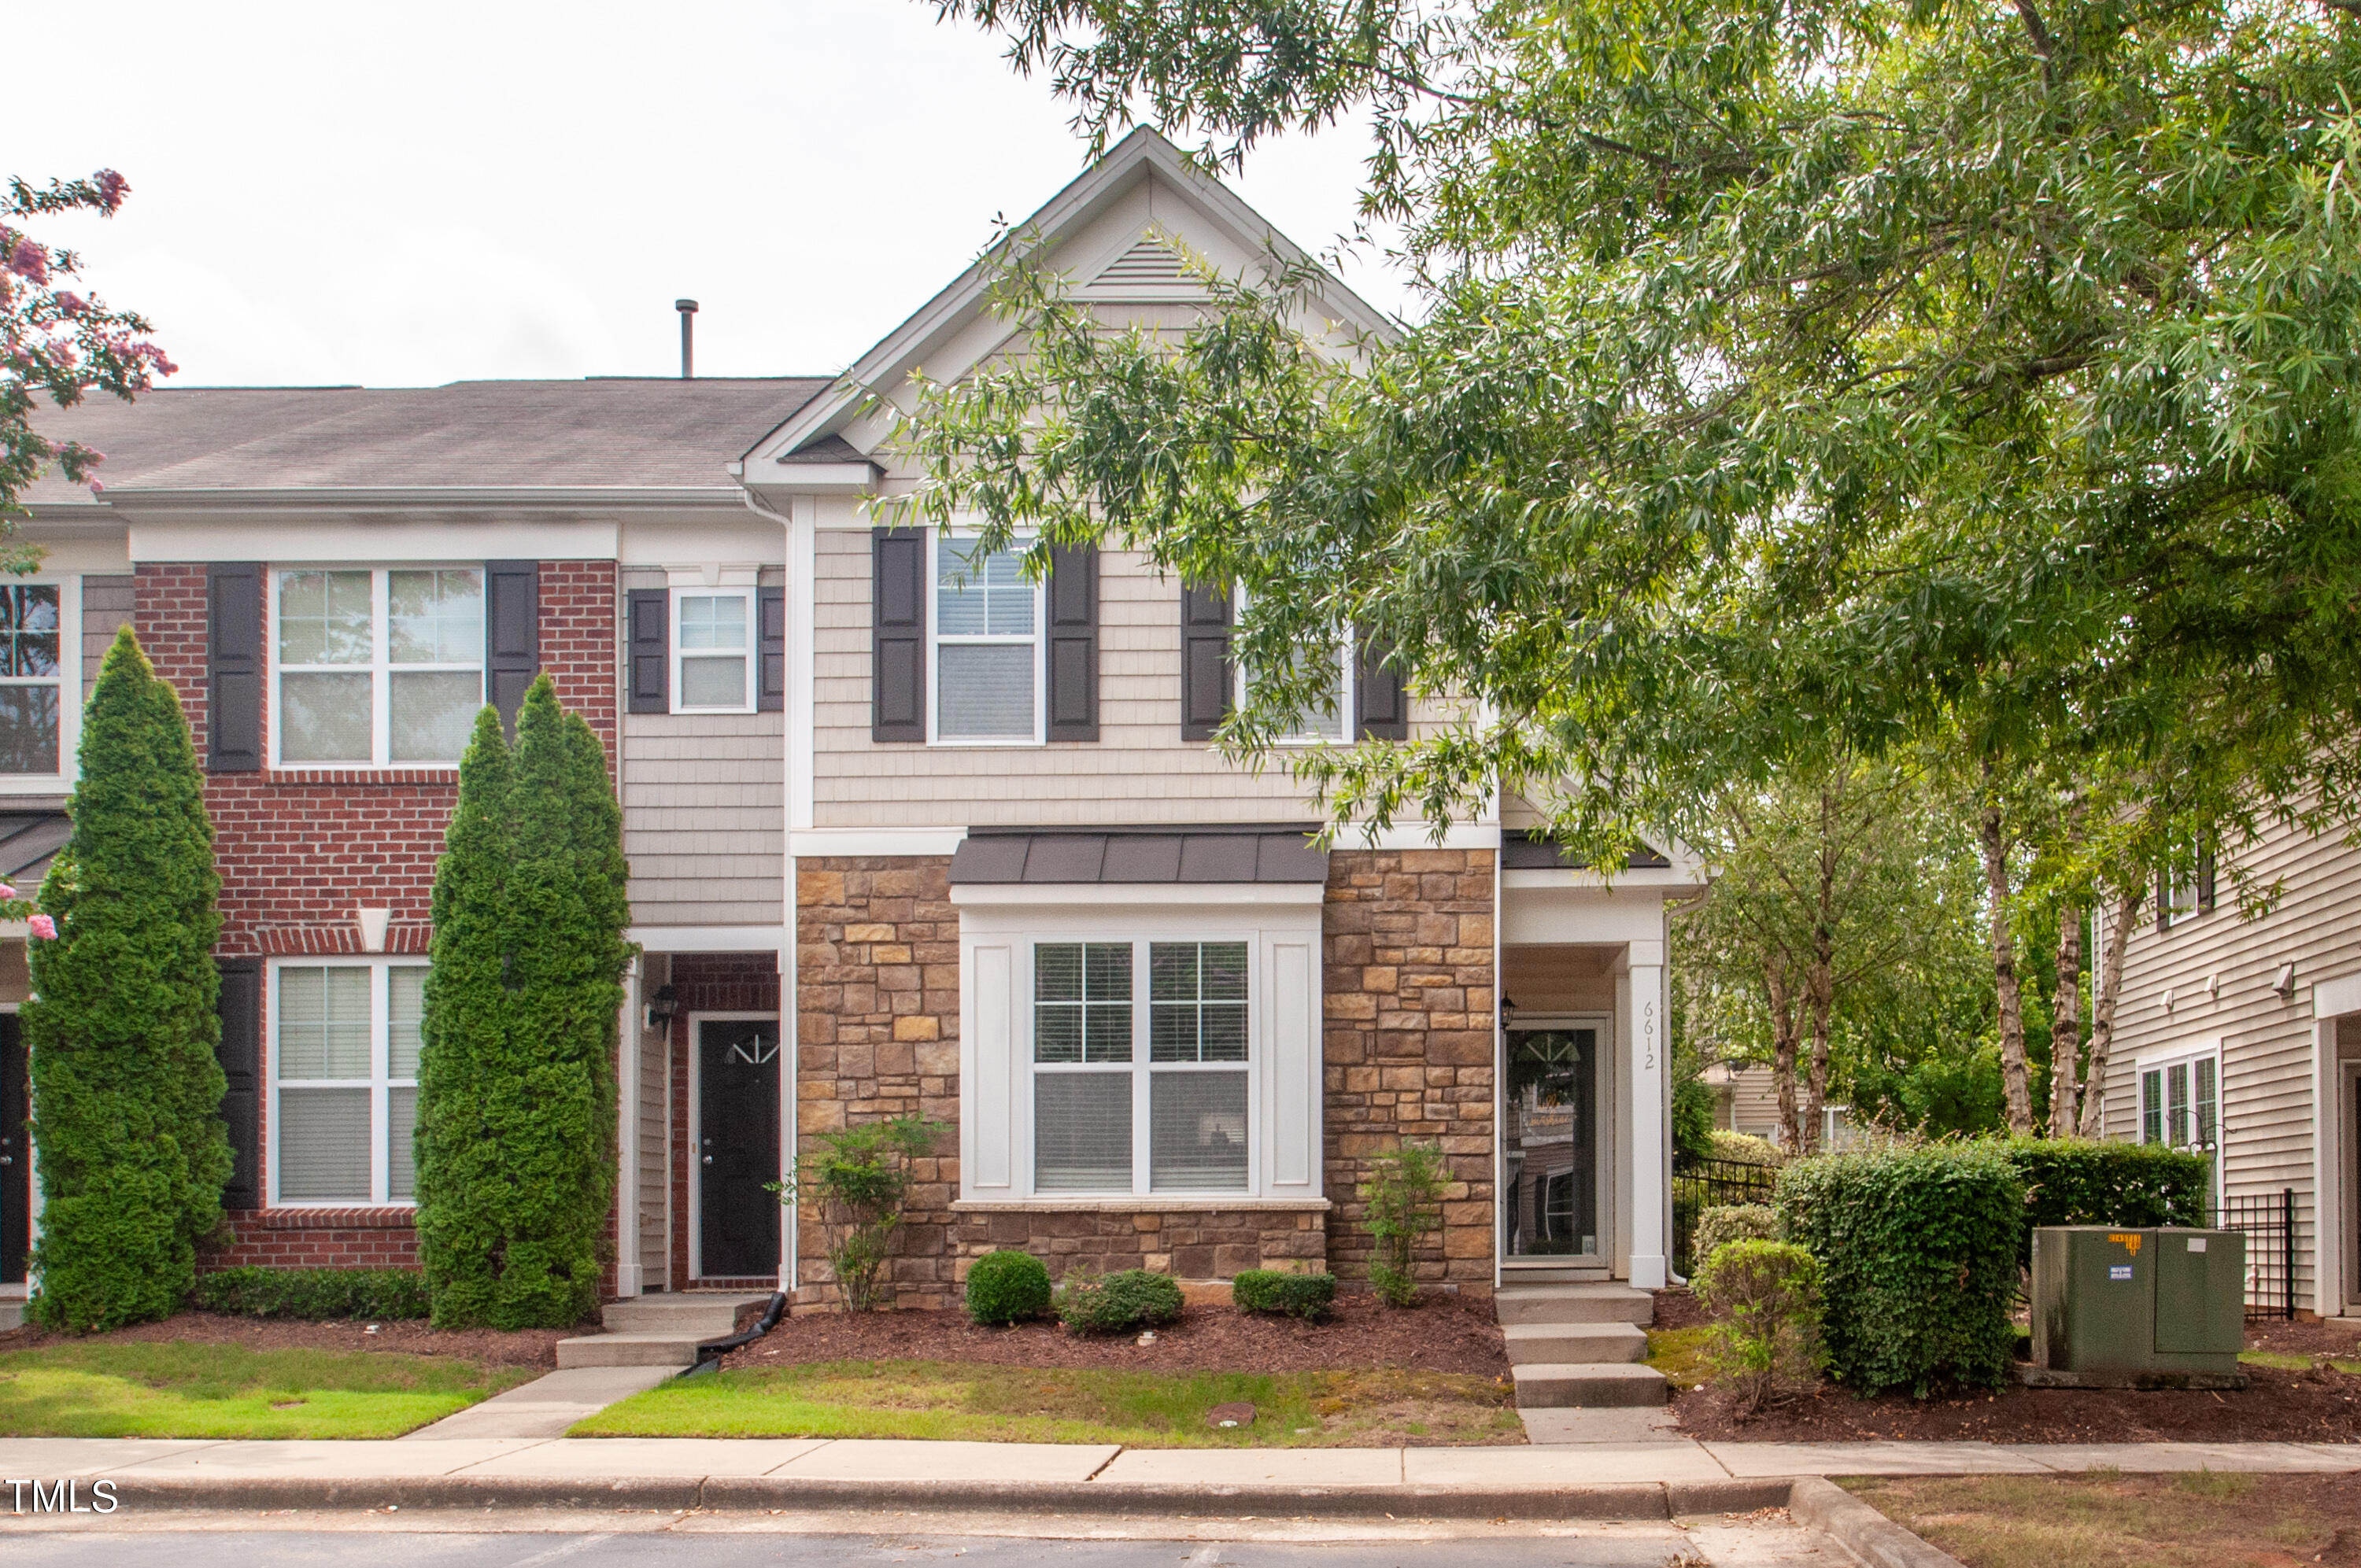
[2013, 1074]
[1782, 1048]
[2110, 984]
[2065, 1025]
[1818, 997]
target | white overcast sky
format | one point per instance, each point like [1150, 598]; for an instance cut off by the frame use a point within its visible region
[408, 193]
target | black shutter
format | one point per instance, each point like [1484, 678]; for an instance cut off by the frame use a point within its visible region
[1206, 680]
[774, 690]
[511, 634]
[1073, 598]
[648, 614]
[2205, 879]
[1381, 713]
[234, 667]
[2163, 902]
[897, 634]
[240, 1054]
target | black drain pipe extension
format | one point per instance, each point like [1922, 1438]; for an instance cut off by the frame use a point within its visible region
[712, 1350]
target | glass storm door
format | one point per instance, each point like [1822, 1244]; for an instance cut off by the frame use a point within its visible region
[1553, 1143]
[737, 1147]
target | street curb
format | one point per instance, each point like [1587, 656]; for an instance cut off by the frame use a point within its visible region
[1862, 1530]
[1632, 1500]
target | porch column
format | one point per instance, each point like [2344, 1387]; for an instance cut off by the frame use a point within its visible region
[628, 1276]
[1648, 1171]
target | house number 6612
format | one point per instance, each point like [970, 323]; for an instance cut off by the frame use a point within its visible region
[1648, 1036]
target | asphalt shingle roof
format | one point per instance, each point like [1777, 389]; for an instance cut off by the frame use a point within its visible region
[628, 432]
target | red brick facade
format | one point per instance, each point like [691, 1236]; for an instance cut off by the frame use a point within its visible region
[299, 850]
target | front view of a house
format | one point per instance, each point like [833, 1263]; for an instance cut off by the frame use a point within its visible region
[908, 833]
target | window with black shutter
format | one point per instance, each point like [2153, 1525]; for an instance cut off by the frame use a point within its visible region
[1207, 678]
[897, 646]
[1074, 643]
[511, 634]
[647, 613]
[240, 1054]
[772, 697]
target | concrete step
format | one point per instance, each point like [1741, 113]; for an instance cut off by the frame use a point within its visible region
[12, 1315]
[706, 1315]
[1529, 1273]
[1554, 1385]
[1606, 1303]
[630, 1350]
[1570, 1343]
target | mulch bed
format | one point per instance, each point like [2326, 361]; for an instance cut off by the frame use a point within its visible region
[1442, 1333]
[488, 1347]
[2276, 1406]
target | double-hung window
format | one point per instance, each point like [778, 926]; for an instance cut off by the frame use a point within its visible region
[345, 1043]
[713, 646]
[2180, 1102]
[34, 705]
[988, 667]
[1110, 1118]
[1329, 718]
[376, 668]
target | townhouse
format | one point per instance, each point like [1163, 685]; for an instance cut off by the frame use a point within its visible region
[909, 832]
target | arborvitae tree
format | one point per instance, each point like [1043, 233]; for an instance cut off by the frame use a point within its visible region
[517, 1082]
[127, 1086]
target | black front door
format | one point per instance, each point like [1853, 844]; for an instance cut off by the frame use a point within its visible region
[16, 1154]
[738, 1146]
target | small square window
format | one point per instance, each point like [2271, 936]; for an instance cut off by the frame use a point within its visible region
[712, 649]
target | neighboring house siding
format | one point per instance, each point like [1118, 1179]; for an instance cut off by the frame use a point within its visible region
[705, 818]
[1138, 770]
[2267, 1043]
[106, 606]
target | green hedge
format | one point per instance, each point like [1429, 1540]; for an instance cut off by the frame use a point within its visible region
[2068, 1182]
[1918, 1248]
[1294, 1295]
[319, 1295]
[1119, 1303]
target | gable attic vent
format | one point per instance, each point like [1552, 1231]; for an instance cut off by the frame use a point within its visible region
[1150, 264]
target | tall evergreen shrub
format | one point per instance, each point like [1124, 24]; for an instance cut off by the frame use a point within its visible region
[1918, 1249]
[122, 1027]
[516, 1125]
[2078, 1181]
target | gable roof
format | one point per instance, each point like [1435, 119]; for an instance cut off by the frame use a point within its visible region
[1134, 274]
[608, 432]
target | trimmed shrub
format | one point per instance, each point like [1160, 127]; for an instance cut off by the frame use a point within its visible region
[516, 1114]
[132, 1153]
[1118, 1303]
[1007, 1287]
[1293, 1295]
[1917, 1251]
[2070, 1182]
[1726, 1223]
[1404, 1199]
[315, 1295]
[1765, 1298]
[857, 1178]
[1742, 1148]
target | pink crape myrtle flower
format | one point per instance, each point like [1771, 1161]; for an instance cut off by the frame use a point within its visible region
[44, 927]
[29, 260]
[112, 188]
[7, 893]
[73, 304]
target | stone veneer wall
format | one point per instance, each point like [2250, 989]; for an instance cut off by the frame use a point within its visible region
[877, 993]
[1409, 1042]
[1189, 1243]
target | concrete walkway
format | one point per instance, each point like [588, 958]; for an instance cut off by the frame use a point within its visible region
[548, 1405]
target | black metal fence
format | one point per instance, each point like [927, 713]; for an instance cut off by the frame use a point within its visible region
[2268, 1222]
[1702, 1184]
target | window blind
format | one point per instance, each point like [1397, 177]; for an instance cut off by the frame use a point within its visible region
[324, 1146]
[1082, 1132]
[1197, 1131]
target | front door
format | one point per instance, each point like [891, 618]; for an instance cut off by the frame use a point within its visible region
[16, 1154]
[738, 1146]
[1553, 1143]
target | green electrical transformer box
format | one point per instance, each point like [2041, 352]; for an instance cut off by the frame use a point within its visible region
[2110, 1301]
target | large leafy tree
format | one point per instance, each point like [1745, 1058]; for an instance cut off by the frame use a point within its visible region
[55, 342]
[516, 1123]
[127, 1086]
[1794, 378]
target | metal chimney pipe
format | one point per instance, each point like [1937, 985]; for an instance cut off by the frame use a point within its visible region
[688, 309]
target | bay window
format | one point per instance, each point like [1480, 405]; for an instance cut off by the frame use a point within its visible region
[33, 660]
[987, 644]
[345, 1039]
[377, 667]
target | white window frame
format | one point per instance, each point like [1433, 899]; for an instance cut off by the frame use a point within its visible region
[750, 653]
[1348, 694]
[68, 684]
[380, 1083]
[936, 637]
[999, 928]
[380, 668]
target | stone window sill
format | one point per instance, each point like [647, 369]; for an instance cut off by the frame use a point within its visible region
[1139, 1205]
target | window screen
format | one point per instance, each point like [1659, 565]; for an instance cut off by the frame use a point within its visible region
[1081, 1002]
[2176, 1103]
[2152, 1107]
[1197, 1131]
[378, 667]
[2209, 1101]
[324, 1146]
[324, 1023]
[30, 631]
[1082, 1132]
[713, 644]
[985, 644]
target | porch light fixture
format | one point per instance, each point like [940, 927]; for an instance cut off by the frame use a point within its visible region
[1507, 1012]
[661, 1008]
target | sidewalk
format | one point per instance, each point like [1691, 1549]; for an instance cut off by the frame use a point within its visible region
[1643, 1480]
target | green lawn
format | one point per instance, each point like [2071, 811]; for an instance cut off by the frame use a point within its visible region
[2105, 1519]
[228, 1391]
[2287, 1363]
[1018, 1404]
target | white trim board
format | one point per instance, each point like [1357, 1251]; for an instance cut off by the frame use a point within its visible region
[1101, 896]
[711, 939]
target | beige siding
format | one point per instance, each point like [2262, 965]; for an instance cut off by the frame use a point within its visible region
[704, 818]
[2267, 1042]
[1138, 770]
[105, 610]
